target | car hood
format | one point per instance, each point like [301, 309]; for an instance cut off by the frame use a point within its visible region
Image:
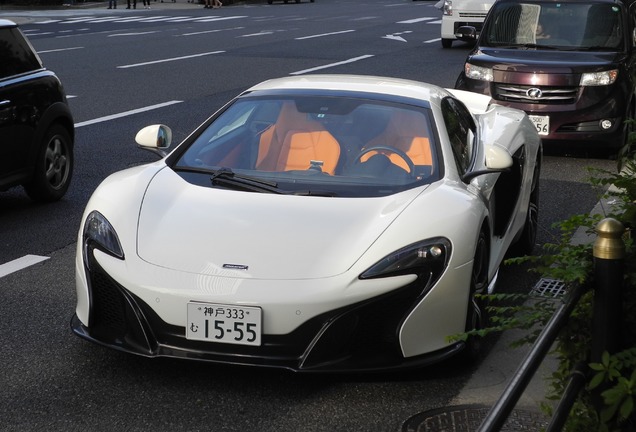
[229, 233]
[511, 62]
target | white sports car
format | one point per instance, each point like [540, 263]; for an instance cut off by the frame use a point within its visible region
[315, 223]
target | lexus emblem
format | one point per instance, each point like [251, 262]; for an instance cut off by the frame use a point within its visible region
[534, 93]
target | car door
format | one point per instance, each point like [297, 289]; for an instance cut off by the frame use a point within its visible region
[20, 99]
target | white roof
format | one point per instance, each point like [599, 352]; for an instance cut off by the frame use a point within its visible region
[6, 23]
[358, 83]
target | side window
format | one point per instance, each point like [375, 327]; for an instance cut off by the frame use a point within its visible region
[461, 131]
[16, 54]
[632, 24]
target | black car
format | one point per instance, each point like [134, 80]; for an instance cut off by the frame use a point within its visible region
[36, 125]
[569, 65]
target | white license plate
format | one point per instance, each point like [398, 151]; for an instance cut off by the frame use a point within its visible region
[224, 323]
[542, 123]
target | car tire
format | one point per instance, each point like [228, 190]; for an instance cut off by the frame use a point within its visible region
[524, 245]
[53, 167]
[476, 313]
[447, 43]
[270, 1]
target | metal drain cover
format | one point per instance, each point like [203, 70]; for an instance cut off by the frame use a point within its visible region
[551, 288]
[468, 418]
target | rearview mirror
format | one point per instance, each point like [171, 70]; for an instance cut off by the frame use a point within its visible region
[156, 138]
[498, 159]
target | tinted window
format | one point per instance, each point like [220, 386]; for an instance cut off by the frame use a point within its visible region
[575, 25]
[461, 131]
[16, 55]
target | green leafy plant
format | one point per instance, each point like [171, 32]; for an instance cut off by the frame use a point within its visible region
[608, 401]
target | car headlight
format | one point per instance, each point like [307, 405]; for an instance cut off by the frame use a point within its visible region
[426, 258]
[448, 8]
[478, 72]
[599, 78]
[98, 232]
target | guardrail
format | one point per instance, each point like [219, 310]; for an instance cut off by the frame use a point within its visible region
[609, 254]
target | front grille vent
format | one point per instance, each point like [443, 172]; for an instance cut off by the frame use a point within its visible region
[529, 94]
[472, 15]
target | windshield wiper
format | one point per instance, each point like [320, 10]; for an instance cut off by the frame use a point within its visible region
[539, 46]
[320, 193]
[227, 177]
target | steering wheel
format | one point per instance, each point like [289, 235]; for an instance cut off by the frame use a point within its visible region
[381, 148]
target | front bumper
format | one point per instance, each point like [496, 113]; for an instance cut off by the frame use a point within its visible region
[351, 338]
[575, 124]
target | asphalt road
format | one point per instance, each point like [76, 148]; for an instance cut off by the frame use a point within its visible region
[125, 69]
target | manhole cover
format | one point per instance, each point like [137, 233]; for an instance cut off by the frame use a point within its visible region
[468, 418]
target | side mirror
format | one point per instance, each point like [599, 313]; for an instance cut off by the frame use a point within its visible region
[498, 159]
[467, 33]
[155, 138]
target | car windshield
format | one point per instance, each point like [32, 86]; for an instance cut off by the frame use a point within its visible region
[313, 145]
[575, 26]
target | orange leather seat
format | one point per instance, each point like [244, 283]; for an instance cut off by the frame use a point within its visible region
[406, 131]
[294, 141]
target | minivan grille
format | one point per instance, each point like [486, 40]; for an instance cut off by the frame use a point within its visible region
[472, 15]
[545, 95]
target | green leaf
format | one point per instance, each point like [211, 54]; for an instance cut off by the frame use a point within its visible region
[627, 407]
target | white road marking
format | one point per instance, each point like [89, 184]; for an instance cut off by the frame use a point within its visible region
[20, 263]
[221, 18]
[416, 20]
[125, 114]
[169, 60]
[263, 33]
[355, 59]
[324, 34]
[132, 34]
[210, 31]
[433, 40]
[60, 49]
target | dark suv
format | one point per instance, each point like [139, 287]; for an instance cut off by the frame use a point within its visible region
[36, 125]
[568, 64]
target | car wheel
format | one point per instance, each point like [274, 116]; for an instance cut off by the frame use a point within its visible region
[447, 43]
[53, 166]
[297, 1]
[476, 313]
[270, 1]
[524, 245]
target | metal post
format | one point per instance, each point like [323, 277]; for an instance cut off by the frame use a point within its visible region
[609, 254]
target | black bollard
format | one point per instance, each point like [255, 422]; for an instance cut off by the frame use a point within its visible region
[609, 254]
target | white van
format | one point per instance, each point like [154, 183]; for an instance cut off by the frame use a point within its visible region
[457, 13]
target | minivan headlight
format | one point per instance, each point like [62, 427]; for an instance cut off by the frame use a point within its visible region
[478, 72]
[599, 78]
[448, 7]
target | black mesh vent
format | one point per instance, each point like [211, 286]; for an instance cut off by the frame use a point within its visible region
[108, 304]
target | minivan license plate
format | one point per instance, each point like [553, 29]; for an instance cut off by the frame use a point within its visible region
[542, 123]
[224, 323]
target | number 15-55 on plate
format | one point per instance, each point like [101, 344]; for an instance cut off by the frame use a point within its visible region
[223, 323]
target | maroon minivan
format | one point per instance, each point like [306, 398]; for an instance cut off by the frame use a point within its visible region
[568, 64]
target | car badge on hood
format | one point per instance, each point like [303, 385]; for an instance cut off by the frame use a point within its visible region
[235, 266]
[534, 93]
